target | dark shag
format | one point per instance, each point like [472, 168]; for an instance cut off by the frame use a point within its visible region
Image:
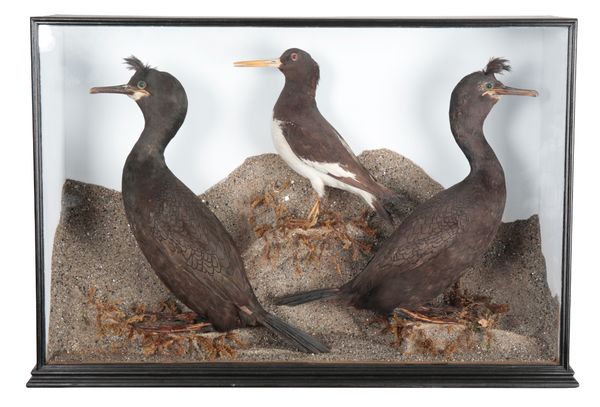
[184, 242]
[445, 235]
[309, 144]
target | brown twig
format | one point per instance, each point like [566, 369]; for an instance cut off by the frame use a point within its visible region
[331, 232]
[167, 330]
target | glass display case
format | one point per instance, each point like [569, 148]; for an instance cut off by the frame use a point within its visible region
[108, 315]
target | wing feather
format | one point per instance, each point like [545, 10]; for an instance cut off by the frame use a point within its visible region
[418, 240]
[193, 237]
[320, 146]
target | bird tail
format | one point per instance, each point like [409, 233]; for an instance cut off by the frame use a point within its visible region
[387, 198]
[379, 207]
[384, 197]
[307, 296]
[292, 335]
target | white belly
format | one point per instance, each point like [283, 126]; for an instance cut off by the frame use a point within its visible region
[317, 173]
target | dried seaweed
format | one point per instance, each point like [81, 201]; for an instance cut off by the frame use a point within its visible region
[331, 233]
[473, 316]
[163, 329]
[470, 309]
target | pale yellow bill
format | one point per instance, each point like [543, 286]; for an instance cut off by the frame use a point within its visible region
[258, 63]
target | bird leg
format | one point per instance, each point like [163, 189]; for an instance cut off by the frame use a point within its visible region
[424, 318]
[313, 215]
[311, 220]
[173, 323]
[173, 327]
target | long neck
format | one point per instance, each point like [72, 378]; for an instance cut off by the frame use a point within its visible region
[468, 133]
[296, 95]
[158, 131]
[146, 164]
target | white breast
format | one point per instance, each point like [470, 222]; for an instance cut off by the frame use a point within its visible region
[316, 172]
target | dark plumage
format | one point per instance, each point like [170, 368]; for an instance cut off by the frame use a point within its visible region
[134, 64]
[308, 143]
[184, 242]
[496, 66]
[442, 237]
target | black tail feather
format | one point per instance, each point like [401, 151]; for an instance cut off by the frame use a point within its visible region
[292, 335]
[386, 199]
[381, 211]
[307, 296]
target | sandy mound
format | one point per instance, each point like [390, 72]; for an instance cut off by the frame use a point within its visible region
[101, 282]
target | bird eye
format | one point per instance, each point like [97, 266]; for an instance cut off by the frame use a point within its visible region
[141, 84]
[294, 56]
[489, 85]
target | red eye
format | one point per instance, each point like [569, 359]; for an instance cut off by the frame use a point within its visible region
[294, 56]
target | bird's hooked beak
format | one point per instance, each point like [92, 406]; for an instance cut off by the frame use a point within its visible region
[507, 90]
[259, 63]
[131, 91]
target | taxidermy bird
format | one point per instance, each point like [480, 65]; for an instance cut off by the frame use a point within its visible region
[184, 242]
[309, 144]
[445, 235]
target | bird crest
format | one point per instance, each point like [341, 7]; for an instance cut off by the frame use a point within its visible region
[135, 64]
[496, 65]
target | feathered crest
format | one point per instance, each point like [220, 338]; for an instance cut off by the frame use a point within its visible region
[135, 64]
[496, 65]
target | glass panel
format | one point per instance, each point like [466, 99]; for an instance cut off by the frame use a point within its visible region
[381, 88]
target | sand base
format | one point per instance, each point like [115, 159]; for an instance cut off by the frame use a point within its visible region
[99, 277]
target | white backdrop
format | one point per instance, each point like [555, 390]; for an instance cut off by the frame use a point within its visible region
[17, 349]
[384, 87]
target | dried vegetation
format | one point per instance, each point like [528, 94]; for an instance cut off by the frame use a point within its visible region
[474, 315]
[163, 329]
[273, 223]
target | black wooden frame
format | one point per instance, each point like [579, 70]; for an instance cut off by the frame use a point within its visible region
[302, 373]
